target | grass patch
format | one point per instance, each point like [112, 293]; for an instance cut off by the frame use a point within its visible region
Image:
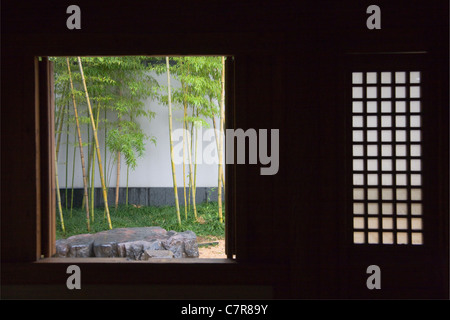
[146, 216]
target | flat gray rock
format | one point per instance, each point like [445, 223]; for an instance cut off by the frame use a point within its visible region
[158, 254]
[79, 246]
[130, 243]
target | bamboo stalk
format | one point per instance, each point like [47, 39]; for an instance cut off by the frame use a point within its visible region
[89, 146]
[195, 166]
[217, 145]
[117, 179]
[73, 176]
[93, 175]
[60, 123]
[97, 145]
[59, 117]
[118, 156]
[189, 147]
[191, 179]
[184, 174]
[89, 160]
[222, 116]
[80, 143]
[109, 175]
[171, 143]
[109, 172]
[92, 188]
[58, 196]
[105, 159]
[89, 166]
[126, 195]
[67, 152]
[58, 141]
[184, 147]
[189, 186]
[106, 131]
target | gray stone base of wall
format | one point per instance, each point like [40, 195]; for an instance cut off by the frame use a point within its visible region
[153, 196]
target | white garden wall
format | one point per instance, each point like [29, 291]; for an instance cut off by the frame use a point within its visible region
[154, 168]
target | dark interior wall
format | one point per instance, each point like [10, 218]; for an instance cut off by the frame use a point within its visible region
[288, 66]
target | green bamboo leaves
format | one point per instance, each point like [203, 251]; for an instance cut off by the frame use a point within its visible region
[132, 84]
[117, 87]
[108, 95]
[201, 96]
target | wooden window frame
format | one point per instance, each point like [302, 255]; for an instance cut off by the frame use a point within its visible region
[398, 62]
[379, 158]
[31, 267]
[45, 162]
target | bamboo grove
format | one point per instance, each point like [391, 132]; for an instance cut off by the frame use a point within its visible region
[104, 97]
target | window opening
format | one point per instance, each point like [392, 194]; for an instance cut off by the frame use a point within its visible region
[147, 135]
[386, 158]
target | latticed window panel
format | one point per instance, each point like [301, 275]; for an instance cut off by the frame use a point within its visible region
[386, 157]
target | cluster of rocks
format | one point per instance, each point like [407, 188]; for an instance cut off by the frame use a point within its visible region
[133, 243]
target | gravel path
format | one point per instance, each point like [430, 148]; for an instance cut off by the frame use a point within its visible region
[213, 251]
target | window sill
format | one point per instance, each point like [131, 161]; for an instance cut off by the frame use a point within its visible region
[125, 260]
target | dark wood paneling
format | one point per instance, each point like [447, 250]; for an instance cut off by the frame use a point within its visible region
[19, 211]
[289, 228]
